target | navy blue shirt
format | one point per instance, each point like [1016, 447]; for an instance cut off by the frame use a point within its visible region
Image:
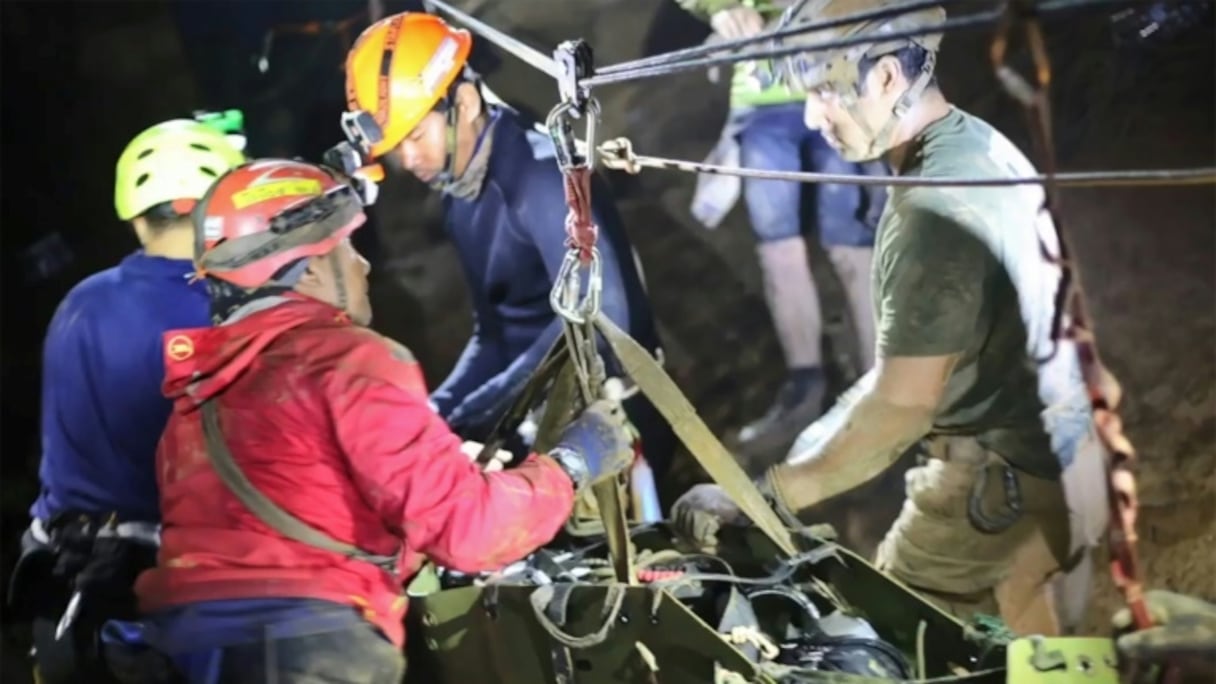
[102, 407]
[511, 241]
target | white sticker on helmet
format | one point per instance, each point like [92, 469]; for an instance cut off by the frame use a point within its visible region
[439, 66]
[213, 228]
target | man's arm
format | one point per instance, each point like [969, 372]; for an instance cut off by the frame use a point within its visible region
[931, 285]
[542, 219]
[478, 363]
[410, 468]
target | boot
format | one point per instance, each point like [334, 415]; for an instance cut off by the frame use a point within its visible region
[793, 303]
[765, 441]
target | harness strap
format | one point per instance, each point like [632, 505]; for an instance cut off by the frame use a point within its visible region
[550, 366]
[563, 661]
[268, 511]
[138, 531]
[611, 502]
[561, 404]
[680, 414]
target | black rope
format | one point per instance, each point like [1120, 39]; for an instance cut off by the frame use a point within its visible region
[614, 158]
[969, 21]
[619, 74]
[731, 45]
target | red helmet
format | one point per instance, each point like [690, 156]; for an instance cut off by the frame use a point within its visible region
[260, 216]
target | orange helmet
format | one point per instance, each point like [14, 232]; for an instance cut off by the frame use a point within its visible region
[398, 70]
[267, 213]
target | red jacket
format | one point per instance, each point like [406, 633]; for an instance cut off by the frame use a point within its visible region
[330, 421]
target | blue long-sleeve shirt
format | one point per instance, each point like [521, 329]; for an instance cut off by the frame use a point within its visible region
[511, 243]
[102, 407]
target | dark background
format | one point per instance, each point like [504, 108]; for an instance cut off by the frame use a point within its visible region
[81, 78]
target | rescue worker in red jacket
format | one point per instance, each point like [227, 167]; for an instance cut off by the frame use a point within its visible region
[303, 476]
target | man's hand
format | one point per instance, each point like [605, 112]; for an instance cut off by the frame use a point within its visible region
[700, 513]
[738, 22]
[1184, 632]
[595, 445]
[473, 449]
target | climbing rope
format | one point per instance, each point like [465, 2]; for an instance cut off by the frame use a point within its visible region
[780, 33]
[526, 53]
[624, 75]
[750, 635]
[618, 154]
[1071, 321]
[576, 308]
[652, 67]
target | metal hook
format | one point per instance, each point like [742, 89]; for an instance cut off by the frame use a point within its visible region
[575, 62]
[561, 132]
[564, 297]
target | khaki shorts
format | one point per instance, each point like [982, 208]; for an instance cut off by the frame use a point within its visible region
[1036, 579]
[935, 546]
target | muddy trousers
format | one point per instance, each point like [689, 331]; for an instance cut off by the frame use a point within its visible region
[276, 641]
[957, 538]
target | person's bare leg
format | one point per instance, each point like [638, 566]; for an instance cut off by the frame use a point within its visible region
[793, 303]
[854, 266]
[793, 300]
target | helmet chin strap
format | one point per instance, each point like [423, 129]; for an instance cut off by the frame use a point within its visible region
[880, 142]
[448, 175]
[335, 265]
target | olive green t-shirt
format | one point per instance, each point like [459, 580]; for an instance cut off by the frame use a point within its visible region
[962, 270]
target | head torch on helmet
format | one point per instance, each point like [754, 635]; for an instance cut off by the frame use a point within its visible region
[265, 214]
[349, 159]
[361, 129]
[342, 202]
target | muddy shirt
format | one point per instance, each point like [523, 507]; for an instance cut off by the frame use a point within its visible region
[961, 270]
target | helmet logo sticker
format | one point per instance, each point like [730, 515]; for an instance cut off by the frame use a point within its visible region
[213, 228]
[426, 84]
[297, 187]
[179, 348]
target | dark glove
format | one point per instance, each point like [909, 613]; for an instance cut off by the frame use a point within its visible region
[703, 510]
[700, 513]
[1184, 629]
[595, 445]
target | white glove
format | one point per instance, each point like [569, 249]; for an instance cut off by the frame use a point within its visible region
[738, 22]
[473, 449]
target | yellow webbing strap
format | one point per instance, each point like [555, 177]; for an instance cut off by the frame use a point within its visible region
[551, 365]
[560, 408]
[654, 382]
[610, 495]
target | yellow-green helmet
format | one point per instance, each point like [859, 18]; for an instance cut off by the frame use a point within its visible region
[173, 160]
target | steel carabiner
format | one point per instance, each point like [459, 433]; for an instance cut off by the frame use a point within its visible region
[565, 295]
[572, 152]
